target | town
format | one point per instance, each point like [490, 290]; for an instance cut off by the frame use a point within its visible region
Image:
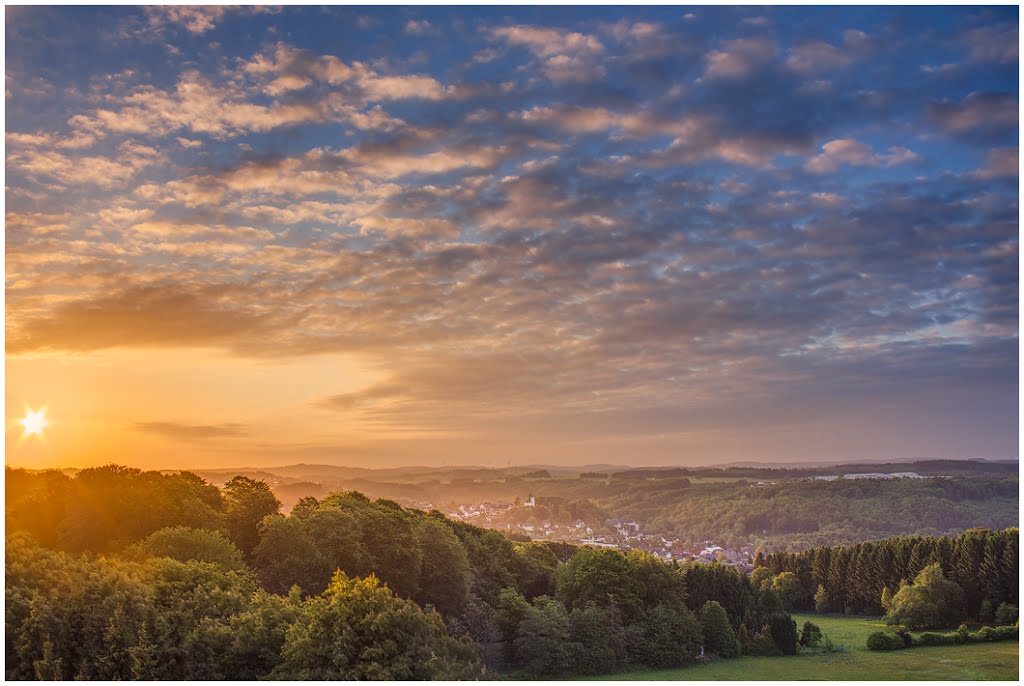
[616, 534]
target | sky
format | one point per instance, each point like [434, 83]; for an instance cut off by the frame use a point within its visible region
[510, 235]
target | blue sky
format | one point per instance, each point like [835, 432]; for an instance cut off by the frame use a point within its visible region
[661, 235]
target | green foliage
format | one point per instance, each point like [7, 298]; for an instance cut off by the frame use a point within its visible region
[857, 578]
[358, 629]
[444, 575]
[884, 640]
[761, 577]
[784, 634]
[104, 509]
[886, 599]
[996, 633]
[719, 638]
[598, 640]
[247, 645]
[248, 501]
[725, 585]
[287, 556]
[931, 602]
[822, 601]
[601, 577]
[512, 608]
[538, 564]
[787, 586]
[761, 643]
[542, 640]
[183, 544]
[665, 637]
[810, 635]
[1006, 614]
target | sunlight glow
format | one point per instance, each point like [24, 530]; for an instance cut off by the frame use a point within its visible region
[34, 422]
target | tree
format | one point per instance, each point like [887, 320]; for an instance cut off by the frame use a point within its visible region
[886, 600]
[286, 557]
[761, 578]
[248, 501]
[665, 637]
[822, 601]
[783, 631]
[358, 629]
[787, 586]
[598, 640]
[247, 646]
[932, 601]
[1006, 614]
[182, 543]
[444, 568]
[511, 609]
[542, 639]
[719, 638]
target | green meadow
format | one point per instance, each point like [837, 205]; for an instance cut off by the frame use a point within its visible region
[971, 662]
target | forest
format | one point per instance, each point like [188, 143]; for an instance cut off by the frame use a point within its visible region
[118, 573]
[857, 579]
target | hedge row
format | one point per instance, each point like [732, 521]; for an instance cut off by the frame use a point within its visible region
[884, 640]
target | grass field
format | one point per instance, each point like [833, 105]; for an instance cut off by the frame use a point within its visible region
[971, 662]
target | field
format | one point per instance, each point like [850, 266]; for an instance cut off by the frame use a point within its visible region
[976, 661]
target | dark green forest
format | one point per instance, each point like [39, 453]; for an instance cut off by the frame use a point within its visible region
[856, 578]
[118, 573]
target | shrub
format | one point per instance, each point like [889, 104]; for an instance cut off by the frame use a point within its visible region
[762, 645]
[811, 635]
[883, 640]
[995, 633]
[931, 638]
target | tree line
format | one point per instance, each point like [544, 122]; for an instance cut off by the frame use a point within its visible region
[118, 573]
[860, 578]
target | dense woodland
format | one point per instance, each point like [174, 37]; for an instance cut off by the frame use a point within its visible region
[118, 573]
[856, 578]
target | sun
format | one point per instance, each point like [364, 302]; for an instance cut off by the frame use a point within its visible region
[34, 422]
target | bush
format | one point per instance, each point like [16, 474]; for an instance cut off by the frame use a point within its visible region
[930, 638]
[811, 635]
[995, 633]
[883, 640]
[1006, 614]
[762, 645]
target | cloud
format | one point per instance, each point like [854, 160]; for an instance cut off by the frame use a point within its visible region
[105, 172]
[739, 58]
[197, 19]
[849, 151]
[817, 56]
[562, 56]
[418, 27]
[993, 44]
[138, 316]
[371, 395]
[982, 113]
[1000, 163]
[191, 432]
